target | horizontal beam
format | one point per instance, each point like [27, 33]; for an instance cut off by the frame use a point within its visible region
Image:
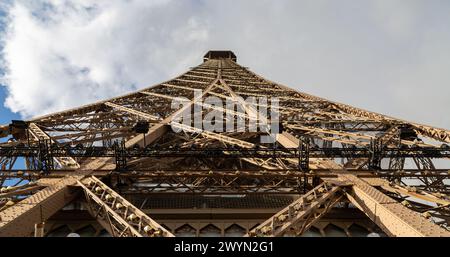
[247, 150]
[322, 173]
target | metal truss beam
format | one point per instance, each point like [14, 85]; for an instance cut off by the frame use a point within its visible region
[283, 180]
[116, 214]
[140, 114]
[51, 199]
[230, 141]
[302, 213]
[307, 120]
[39, 134]
[432, 132]
[20, 219]
[19, 190]
[391, 216]
[436, 198]
[245, 149]
[161, 128]
[217, 183]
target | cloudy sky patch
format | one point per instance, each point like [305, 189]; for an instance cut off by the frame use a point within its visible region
[388, 56]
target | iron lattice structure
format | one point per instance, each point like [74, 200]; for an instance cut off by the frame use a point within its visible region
[117, 166]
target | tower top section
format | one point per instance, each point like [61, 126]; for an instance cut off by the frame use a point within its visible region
[219, 54]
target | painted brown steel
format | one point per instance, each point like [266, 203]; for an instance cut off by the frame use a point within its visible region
[318, 122]
[116, 214]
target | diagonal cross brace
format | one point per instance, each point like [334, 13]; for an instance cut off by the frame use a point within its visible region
[392, 217]
[116, 214]
[302, 213]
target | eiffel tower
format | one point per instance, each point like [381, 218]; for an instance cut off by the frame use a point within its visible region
[119, 167]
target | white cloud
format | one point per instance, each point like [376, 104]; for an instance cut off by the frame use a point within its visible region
[388, 56]
[76, 52]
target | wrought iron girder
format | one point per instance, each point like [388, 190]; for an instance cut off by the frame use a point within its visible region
[142, 173]
[19, 190]
[39, 134]
[121, 218]
[230, 141]
[391, 216]
[237, 148]
[350, 138]
[439, 134]
[225, 78]
[421, 201]
[302, 213]
[134, 112]
[20, 219]
[217, 184]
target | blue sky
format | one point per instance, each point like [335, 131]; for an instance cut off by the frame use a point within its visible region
[5, 117]
[5, 113]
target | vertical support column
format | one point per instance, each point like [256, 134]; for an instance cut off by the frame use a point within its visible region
[376, 147]
[303, 160]
[120, 157]
[45, 157]
[39, 229]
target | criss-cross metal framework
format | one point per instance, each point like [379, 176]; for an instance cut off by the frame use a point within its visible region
[327, 155]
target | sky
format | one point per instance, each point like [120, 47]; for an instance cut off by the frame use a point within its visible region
[388, 56]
